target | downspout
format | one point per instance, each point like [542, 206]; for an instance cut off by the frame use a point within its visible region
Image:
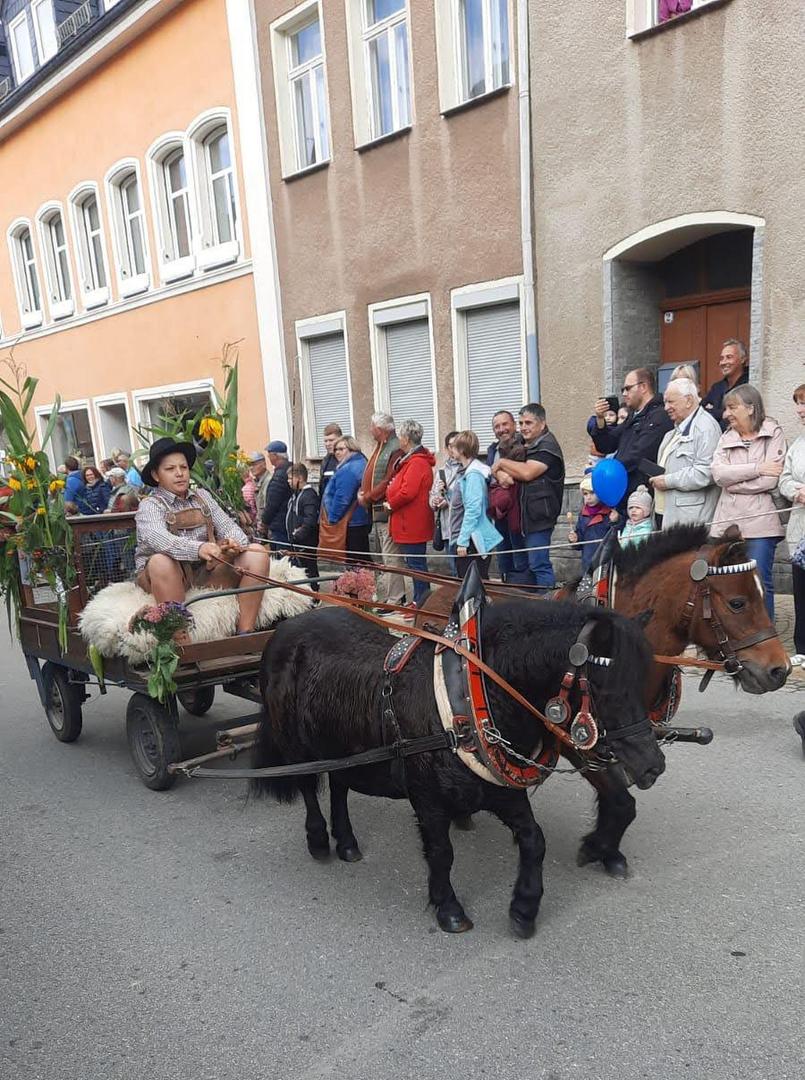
[526, 237]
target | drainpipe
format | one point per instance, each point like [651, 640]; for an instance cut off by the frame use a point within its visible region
[529, 297]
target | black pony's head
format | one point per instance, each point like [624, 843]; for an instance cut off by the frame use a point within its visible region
[528, 643]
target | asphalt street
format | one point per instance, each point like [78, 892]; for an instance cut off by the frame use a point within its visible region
[188, 935]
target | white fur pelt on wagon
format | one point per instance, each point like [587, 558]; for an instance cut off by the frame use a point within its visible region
[105, 620]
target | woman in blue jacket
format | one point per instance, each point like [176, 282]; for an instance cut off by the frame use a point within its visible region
[478, 534]
[341, 497]
[96, 490]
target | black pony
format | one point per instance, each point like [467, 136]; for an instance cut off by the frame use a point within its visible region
[321, 680]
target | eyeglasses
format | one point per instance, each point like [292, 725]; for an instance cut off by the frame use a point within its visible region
[626, 389]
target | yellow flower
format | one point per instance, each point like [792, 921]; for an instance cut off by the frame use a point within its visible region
[30, 484]
[40, 510]
[14, 483]
[210, 428]
[56, 485]
[30, 463]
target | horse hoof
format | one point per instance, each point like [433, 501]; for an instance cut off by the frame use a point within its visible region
[799, 727]
[454, 924]
[586, 855]
[321, 853]
[464, 823]
[616, 865]
[350, 854]
[522, 928]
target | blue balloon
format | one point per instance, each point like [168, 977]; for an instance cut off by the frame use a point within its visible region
[609, 481]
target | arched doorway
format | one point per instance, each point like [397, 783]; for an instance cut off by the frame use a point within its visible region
[674, 292]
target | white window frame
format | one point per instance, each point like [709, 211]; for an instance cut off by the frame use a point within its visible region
[129, 284]
[172, 266]
[42, 413]
[641, 15]
[41, 44]
[358, 37]
[92, 295]
[12, 26]
[449, 54]
[281, 31]
[389, 313]
[111, 399]
[482, 294]
[30, 316]
[141, 398]
[211, 254]
[305, 329]
[61, 290]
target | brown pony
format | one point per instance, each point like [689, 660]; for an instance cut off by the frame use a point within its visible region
[698, 591]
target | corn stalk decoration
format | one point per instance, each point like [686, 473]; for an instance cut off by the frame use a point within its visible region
[213, 430]
[33, 525]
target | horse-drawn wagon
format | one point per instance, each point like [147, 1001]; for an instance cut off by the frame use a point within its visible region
[100, 651]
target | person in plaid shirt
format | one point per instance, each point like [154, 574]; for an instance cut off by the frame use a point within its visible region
[182, 533]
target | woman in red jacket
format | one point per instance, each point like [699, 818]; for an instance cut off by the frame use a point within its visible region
[411, 520]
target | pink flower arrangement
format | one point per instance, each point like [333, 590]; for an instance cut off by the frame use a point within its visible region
[358, 584]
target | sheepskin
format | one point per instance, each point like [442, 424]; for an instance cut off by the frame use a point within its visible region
[104, 621]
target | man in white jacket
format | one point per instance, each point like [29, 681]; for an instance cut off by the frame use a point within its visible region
[685, 493]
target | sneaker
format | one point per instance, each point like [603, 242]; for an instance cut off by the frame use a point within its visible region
[797, 660]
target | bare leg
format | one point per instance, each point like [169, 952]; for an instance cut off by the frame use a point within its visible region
[163, 578]
[254, 558]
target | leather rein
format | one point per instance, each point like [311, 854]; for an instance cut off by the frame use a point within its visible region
[579, 734]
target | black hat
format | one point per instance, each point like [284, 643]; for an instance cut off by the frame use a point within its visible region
[160, 449]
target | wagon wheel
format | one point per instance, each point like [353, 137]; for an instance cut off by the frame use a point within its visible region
[63, 703]
[153, 741]
[199, 701]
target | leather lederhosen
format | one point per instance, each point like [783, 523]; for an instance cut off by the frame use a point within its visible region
[197, 573]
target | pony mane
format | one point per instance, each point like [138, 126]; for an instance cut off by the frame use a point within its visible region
[634, 561]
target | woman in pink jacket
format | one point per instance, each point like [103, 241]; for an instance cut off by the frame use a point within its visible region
[747, 464]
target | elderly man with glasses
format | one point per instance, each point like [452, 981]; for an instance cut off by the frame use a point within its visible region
[638, 438]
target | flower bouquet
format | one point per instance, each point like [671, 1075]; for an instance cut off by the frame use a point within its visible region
[357, 584]
[164, 622]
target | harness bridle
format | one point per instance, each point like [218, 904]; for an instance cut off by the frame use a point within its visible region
[700, 573]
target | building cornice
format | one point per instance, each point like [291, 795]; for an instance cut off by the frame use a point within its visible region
[113, 31]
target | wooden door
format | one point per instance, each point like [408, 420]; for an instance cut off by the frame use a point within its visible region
[723, 321]
[692, 333]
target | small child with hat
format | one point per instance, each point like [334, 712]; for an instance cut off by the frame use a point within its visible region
[639, 509]
[593, 523]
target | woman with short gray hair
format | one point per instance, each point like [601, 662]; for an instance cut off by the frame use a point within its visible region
[747, 465]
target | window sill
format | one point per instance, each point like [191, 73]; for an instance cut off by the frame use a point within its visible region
[220, 255]
[133, 286]
[95, 298]
[318, 167]
[470, 103]
[177, 269]
[381, 139]
[638, 35]
[31, 319]
[61, 309]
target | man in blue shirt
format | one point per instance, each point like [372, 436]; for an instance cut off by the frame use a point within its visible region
[733, 363]
[123, 461]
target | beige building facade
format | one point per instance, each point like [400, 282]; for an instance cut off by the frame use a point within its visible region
[395, 156]
[668, 196]
[126, 246]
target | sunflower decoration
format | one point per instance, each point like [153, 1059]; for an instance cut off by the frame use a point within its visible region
[210, 428]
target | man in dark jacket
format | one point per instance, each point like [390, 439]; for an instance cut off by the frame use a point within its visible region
[542, 483]
[640, 435]
[332, 433]
[278, 493]
[505, 429]
[732, 361]
[302, 521]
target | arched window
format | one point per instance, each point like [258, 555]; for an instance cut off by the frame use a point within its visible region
[26, 276]
[90, 246]
[57, 261]
[221, 179]
[128, 224]
[219, 240]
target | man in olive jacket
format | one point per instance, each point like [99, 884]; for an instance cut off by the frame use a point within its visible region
[542, 484]
[379, 471]
[640, 435]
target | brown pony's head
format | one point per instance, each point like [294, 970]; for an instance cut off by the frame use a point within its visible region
[729, 618]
